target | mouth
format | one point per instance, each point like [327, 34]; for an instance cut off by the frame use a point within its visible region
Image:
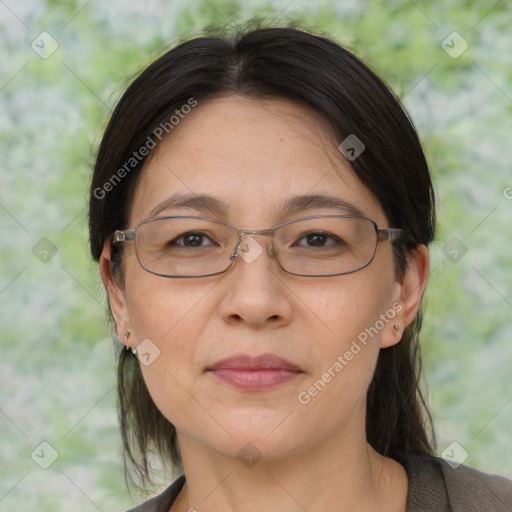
[254, 373]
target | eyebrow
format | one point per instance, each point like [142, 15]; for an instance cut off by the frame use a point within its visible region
[199, 202]
[295, 204]
[312, 201]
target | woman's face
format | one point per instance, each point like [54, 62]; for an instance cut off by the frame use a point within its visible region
[252, 156]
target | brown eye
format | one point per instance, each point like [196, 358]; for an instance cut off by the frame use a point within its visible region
[319, 239]
[316, 239]
[191, 239]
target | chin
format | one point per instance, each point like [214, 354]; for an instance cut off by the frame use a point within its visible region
[260, 433]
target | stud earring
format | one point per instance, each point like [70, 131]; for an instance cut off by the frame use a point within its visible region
[132, 350]
[396, 327]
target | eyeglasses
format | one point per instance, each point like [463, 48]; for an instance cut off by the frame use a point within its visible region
[316, 246]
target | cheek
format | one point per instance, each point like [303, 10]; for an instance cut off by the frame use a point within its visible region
[344, 306]
[160, 308]
[347, 345]
[346, 319]
[173, 317]
[169, 317]
[345, 339]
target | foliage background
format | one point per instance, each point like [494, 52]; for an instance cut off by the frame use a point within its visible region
[56, 370]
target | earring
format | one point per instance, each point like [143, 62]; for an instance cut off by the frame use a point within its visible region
[396, 327]
[132, 350]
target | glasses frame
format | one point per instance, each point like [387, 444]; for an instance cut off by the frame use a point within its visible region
[130, 235]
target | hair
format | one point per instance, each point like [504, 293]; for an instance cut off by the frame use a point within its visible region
[314, 71]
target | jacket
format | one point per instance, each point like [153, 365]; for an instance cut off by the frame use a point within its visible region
[434, 486]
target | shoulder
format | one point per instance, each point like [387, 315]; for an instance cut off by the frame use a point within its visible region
[162, 502]
[434, 484]
[473, 488]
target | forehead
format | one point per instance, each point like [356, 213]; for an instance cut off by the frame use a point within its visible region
[252, 155]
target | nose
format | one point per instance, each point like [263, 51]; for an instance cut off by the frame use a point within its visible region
[256, 294]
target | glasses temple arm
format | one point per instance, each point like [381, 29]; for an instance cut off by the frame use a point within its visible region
[123, 236]
[390, 233]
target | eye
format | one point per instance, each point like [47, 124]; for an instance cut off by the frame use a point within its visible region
[191, 239]
[319, 239]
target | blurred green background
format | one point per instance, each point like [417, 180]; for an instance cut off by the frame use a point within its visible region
[56, 93]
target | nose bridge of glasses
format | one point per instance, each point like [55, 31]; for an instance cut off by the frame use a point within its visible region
[255, 232]
[248, 247]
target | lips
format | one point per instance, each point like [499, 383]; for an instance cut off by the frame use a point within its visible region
[260, 372]
[261, 362]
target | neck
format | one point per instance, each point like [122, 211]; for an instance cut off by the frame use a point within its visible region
[327, 478]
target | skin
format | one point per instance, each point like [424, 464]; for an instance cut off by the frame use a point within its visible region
[252, 155]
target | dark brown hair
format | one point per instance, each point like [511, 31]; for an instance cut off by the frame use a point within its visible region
[311, 70]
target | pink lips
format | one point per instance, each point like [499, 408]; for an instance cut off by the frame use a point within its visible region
[254, 373]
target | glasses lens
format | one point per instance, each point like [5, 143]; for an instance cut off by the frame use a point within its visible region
[325, 245]
[319, 246]
[184, 246]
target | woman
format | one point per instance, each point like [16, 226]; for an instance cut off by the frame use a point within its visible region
[261, 209]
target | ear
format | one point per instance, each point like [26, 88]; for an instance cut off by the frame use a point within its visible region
[115, 293]
[407, 296]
